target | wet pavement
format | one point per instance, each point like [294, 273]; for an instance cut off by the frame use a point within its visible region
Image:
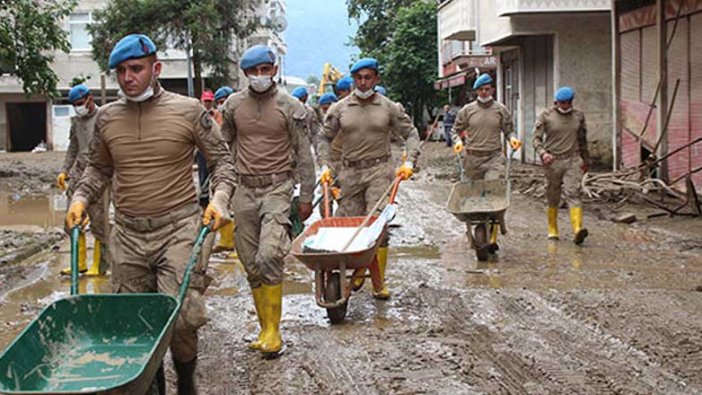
[622, 314]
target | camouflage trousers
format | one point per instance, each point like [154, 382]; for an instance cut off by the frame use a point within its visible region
[491, 167]
[150, 255]
[362, 188]
[262, 233]
[564, 175]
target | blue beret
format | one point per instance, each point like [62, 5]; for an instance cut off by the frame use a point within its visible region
[365, 63]
[299, 92]
[223, 92]
[381, 90]
[258, 54]
[565, 94]
[133, 46]
[77, 92]
[328, 98]
[484, 79]
[345, 84]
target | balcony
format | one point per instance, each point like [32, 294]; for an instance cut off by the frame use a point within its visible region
[454, 60]
[457, 20]
[513, 7]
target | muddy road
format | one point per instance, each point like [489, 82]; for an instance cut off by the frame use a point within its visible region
[620, 315]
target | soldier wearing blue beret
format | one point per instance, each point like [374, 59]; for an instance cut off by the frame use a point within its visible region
[364, 122]
[266, 131]
[344, 87]
[144, 144]
[560, 139]
[81, 134]
[485, 123]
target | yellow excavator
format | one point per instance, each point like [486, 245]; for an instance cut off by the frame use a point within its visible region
[330, 76]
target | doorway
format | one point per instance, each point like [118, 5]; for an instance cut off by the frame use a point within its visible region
[26, 124]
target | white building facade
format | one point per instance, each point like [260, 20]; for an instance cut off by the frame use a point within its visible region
[539, 46]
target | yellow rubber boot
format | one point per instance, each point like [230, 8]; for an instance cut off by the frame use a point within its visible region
[358, 278]
[82, 257]
[576, 220]
[380, 291]
[226, 238]
[258, 303]
[492, 245]
[271, 342]
[95, 267]
[552, 214]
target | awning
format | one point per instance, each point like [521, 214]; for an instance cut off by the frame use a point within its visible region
[457, 79]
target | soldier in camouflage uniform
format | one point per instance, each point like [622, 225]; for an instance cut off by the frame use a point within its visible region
[560, 139]
[365, 120]
[311, 121]
[144, 144]
[81, 134]
[485, 122]
[265, 129]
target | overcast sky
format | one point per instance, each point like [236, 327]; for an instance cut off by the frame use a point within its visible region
[317, 33]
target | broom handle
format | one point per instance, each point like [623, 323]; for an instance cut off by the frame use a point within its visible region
[393, 187]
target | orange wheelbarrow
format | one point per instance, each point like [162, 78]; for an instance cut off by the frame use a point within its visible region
[332, 289]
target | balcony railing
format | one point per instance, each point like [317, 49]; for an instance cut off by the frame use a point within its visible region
[457, 19]
[511, 7]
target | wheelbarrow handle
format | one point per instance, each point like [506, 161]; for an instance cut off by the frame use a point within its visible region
[75, 235]
[325, 194]
[194, 255]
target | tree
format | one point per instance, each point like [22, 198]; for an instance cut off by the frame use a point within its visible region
[376, 25]
[312, 80]
[401, 34]
[208, 27]
[411, 58]
[29, 34]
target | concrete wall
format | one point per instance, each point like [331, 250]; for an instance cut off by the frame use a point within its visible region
[491, 28]
[581, 59]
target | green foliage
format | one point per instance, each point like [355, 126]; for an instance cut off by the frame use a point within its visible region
[29, 33]
[210, 25]
[313, 80]
[402, 36]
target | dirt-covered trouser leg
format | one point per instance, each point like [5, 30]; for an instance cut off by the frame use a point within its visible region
[154, 260]
[564, 175]
[262, 233]
[360, 191]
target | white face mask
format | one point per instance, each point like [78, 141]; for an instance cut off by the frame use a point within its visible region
[146, 94]
[81, 111]
[363, 95]
[485, 99]
[562, 111]
[260, 83]
[220, 107]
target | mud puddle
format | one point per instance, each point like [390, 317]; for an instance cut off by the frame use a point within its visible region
[45, 211]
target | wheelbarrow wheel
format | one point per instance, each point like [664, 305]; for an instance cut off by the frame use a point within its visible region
[332, 294]
[480, 237]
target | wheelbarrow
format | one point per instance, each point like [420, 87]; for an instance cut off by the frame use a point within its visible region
[332, 289]
[481, 204]
[94, 344]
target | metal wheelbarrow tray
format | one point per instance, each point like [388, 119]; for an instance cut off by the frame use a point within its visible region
[475, 201]
[335, 260]
[94, 344]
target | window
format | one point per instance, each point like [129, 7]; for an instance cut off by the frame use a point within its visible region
[78, 29]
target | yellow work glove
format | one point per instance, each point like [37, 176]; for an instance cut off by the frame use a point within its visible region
[61, 181]
[458, 148]
[405, 171]
[215, 214]
[76, 215]
[326, 175]
[335, 192]
[516, 144]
